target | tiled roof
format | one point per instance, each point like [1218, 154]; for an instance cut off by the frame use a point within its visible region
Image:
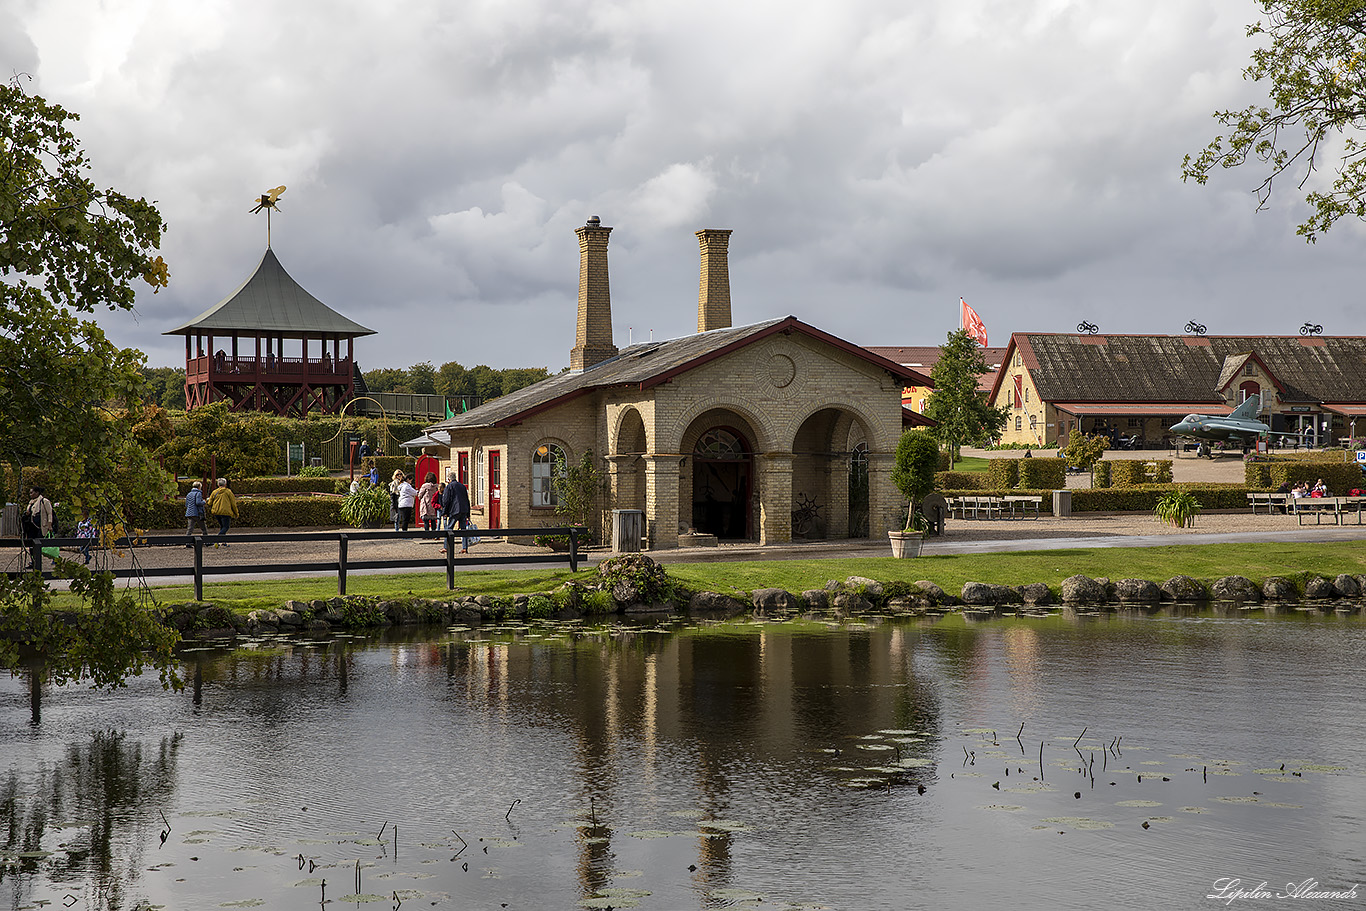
[270, 301]
[1166, 368]
[924, 357]
[648, 364]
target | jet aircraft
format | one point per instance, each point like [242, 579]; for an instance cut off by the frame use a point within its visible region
[1242, 425]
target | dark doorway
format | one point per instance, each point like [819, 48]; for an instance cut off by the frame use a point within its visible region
[722, 468]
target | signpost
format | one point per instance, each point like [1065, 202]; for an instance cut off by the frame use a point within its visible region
[294, 452]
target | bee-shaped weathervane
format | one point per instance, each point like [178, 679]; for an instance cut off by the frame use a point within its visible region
[269, 200]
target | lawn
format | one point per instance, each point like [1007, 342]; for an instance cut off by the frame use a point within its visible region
[1205, 561]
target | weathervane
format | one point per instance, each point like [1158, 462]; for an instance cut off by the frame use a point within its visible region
[1088, 328]
[1194, 328]
[268, 200]
[1311, 329]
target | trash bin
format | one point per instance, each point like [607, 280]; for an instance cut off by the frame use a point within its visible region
[628, 528]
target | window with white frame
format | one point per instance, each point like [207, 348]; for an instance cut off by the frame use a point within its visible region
[479, 477]
[1019, 422]
[547, 463]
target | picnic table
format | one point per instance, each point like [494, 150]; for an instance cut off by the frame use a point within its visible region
[1318, 507]
[1270, 501]
[991, 507]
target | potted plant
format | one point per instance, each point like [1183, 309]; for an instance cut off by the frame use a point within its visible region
[917, 459]
[1178, 508]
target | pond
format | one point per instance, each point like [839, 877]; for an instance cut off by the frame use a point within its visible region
[1073, 760]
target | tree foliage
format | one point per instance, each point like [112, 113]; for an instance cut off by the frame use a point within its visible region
[1312, 57]
[236, 444]
[1084, 451]
[961, 411]
[576, 489]
[165, 386]
[68, 396]
[917, 459]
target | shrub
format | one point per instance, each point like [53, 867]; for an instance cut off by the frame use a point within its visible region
[963, 480]
[647, 578]
[1004, 473]
[1127, 473]
[1043, 474]
[1339, 476]
[272, 486]
[1177, 508]
[368, 506]
[539, 607]
[1257, 475]
[1144, 499]
[254, 512]
[1100, 475]
[917, 454]
[314, 471]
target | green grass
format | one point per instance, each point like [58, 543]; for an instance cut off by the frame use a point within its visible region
[1205, 561]
[970, 463]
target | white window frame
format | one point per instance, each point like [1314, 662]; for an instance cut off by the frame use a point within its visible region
[548, 461]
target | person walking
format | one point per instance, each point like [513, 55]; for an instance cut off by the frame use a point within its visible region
[223, 505]
[36, 521]
[406, 495]
[194, 512]
[455, 505]
[86, 531]
[428, 507]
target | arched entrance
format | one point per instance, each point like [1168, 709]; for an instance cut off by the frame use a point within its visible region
[723, 473]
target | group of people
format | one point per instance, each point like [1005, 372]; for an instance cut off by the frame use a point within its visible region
[438, 506]
[1303, 489]
[221, 503]
[39, 520]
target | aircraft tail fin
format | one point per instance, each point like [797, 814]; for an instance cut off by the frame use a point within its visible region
[1248, 410]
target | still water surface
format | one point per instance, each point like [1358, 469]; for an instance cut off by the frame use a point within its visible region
[773, 765]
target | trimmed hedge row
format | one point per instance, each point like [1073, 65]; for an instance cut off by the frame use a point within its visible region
[1131, 472]
[1007, 474]
[1144, 498]
[269, 486]
[257, 512]
[1339, 476]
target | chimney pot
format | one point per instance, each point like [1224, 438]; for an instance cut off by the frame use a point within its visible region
[594, 221]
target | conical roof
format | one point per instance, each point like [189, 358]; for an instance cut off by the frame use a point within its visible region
[271, 302]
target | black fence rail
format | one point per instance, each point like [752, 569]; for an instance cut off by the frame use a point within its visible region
[341, 566]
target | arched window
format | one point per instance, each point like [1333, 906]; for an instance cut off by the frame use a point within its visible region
[720, 444]
[547, 463]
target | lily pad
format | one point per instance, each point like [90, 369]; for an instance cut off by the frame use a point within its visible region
[1079, 822]
[1138, 803]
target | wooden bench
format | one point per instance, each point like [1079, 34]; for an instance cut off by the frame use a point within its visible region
[1336, 507]
[1271, 501]
[1025, 504]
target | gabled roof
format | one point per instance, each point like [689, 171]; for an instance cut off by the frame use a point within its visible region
[1188, 369]
[650, 363]
[924, 357]
[270, 301]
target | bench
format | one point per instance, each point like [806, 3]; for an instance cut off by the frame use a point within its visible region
[1268, 500]
[1337, 507]
[1024, 503]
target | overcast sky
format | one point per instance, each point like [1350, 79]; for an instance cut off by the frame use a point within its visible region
[876, 160]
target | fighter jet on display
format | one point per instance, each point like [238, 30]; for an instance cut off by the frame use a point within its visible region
[1241, 425]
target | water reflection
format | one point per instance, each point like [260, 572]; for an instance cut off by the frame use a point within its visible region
[800, 763]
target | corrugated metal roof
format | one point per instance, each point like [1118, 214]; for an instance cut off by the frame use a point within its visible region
[270, 301]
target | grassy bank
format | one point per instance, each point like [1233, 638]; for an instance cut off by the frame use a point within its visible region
[1208, 561]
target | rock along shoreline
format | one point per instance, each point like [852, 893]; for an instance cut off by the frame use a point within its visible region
[635, 586]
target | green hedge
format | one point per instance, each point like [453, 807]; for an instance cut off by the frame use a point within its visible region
[1100, 475]
[255, 512]
[316, 429]
[268, 486]
[1004, 474]
[1144, 498]
[1338, 475]
[962, 480]
[1043, 474]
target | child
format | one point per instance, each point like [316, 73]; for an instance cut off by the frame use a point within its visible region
[85, 530]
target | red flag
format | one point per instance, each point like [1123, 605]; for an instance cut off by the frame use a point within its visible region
[970, 321]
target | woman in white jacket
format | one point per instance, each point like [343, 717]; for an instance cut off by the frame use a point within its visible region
[407, 497]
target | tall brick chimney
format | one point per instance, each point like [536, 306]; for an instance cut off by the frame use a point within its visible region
[593, 340]
[713, 288]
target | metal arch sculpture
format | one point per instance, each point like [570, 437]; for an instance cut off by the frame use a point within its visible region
[1087, 327]
[1311, 329]
[1194, 328]
[341, 418]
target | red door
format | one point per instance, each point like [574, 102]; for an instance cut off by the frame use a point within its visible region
[495, 488]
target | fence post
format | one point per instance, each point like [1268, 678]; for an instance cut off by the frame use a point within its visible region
[341, 564]
[35, 556]
[198, 568]
[573, 549]
[450, 558]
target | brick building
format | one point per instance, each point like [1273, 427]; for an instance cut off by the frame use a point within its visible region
[1138, 386]
[726, 432]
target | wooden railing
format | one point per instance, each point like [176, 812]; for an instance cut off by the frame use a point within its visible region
[254, 369]
[342, 565]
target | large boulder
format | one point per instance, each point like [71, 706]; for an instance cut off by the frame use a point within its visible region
[982, 594]
[1320, 589]
[1347, 586]
[1185, 589]
[1279, 588]
[715, 603]
[1236, 588]
[851, 601]
[1036, 593]
[770, 600]
[816, 598]
[1137, 591]
[933, 593]
[870, 587]
[1081, 589]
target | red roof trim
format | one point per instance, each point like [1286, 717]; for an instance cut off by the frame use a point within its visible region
[1253, 356]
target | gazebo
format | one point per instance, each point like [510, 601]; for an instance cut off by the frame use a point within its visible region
[236, 350]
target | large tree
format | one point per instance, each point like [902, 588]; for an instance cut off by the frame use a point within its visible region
[962, 413]
[1311, 55]
[69, 398]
